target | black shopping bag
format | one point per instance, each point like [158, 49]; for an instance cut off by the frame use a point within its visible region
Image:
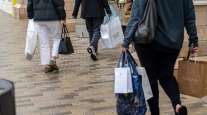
[65, 46]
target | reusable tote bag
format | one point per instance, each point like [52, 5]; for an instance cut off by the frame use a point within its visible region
[132, 103]
[66, 46]
[111, 33]
[31, 40]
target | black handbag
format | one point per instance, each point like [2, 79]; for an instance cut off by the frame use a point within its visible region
[145, 33]
[65, 46]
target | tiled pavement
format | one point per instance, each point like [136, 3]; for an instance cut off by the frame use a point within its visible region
[82, 87]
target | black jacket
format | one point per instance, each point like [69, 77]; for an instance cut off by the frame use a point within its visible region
[91, 8]
[46, 10]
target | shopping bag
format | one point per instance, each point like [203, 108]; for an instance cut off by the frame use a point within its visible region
[111, 33]
[65, 46]
[145, 83]
[192, 77]
[31, 40]
[115, 11]
[123, 79]
[145, 80]
[132, 103]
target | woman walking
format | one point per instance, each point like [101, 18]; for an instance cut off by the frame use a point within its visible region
[126, 12]
[93, 11]
[48, 16]
[159, 56]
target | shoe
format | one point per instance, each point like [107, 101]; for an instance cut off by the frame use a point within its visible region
[52, 67]
[48, 69]
[182, 111]
[92, 52]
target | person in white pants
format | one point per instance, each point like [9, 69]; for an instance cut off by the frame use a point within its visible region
[48, 16]
[45, 31]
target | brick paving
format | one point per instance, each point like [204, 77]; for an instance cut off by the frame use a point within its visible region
[82, 87]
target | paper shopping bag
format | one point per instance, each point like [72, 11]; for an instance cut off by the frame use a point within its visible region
[123, 81]
[192, 77]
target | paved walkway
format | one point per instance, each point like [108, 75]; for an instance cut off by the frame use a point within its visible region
[82, 87]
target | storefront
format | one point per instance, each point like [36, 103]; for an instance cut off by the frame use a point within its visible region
[7, 6]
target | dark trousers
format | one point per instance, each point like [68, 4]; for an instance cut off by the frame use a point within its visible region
[93, 26]
[159, 63]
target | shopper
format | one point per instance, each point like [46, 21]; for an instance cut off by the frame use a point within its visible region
[93, 11]
[48, 15]
[126, 12]
[159, 56]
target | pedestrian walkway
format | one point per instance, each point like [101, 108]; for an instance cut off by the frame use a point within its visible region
[82, 87]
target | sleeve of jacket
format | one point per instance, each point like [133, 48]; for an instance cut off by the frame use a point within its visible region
[76, 8]
[60, 7]
[30, 11]
[106, 6]
[190, 22]
[138, 8]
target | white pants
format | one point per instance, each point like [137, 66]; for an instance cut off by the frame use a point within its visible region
[46, 30]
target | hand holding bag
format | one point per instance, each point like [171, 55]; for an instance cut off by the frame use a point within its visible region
[132, 103]
[147, 26]
[65, 46]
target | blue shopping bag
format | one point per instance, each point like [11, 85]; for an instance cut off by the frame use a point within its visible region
[133, 103]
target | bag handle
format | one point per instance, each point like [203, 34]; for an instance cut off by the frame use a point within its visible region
[132, 58]
[132, 62]
[122, 60]
[65, 32]
[188, 56]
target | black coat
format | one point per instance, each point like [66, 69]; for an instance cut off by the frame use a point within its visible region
[46, 10]
[91, 8]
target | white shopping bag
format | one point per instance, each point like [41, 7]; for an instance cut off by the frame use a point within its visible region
[111, 33]
[145, 83]
[31, 40]
[123, 81]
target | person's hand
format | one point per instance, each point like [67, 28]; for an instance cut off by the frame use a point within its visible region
[194, 51]
[123, 49]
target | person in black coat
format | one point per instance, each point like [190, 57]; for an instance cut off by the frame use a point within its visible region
[93, 11]
[47, 16]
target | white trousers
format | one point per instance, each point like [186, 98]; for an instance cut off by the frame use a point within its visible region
[47, 30]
